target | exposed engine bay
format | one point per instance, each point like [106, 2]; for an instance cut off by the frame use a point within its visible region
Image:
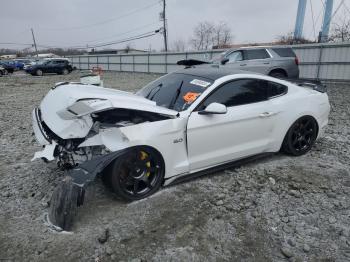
[72, 152]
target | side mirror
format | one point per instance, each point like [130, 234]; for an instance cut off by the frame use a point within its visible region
[214, 108]
[224, 61]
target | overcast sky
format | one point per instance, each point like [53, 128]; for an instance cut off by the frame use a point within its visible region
[68, 23]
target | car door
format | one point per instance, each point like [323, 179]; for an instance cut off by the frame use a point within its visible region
[256, 60]
[60, 65]
[244, 130]
[48, 67]
[233, 60]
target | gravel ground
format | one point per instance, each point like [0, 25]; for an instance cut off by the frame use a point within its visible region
[279, 208]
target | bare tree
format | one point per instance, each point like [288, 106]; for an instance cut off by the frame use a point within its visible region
[288, 39]
[206, 35]
[203, 35]
[222, 35]
[179, 45]
[340, 30]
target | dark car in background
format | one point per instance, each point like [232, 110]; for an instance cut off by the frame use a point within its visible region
[59, 66]
[2, 71]
[9, 66]
[275, 61]
[19, 63]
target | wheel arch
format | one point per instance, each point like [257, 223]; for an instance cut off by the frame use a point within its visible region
[128, 149]
[278, 70]
[290, 123]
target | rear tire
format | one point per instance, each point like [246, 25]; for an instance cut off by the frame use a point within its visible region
[278, 74]
[300, 137]
[137, 174]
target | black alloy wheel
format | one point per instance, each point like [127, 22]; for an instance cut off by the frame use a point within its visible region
[301, 136]
[137, 174]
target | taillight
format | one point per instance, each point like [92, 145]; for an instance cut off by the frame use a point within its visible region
[296, 60]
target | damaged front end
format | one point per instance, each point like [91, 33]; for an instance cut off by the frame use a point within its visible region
[80, 127]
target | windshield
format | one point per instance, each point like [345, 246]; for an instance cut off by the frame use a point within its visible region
[175, 91]
[217, 59]
[42, 62]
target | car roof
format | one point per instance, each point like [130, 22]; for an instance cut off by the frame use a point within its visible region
[56, 59]
[211, 72]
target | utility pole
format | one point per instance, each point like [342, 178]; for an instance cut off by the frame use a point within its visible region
[36, 49]
[164, 28]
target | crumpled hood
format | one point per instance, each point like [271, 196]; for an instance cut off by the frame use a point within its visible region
[66, 109]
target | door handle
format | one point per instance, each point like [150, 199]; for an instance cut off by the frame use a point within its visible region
[266, 63]
[243, 64]
[267, 114]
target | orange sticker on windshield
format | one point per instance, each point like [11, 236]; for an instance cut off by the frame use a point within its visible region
[190, 97]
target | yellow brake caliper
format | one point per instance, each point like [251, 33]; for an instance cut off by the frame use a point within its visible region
[148, 164]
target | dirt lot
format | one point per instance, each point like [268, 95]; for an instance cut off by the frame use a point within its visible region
[277, 209]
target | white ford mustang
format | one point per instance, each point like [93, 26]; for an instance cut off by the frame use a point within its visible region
[184, 122]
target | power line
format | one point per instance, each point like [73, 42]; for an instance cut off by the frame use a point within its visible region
[12, 43]
[104, 21]
[145, 35]
[132, 38]
[313, 19]
[124, 33]
[335, 12]
[111, 36]
[346, 8]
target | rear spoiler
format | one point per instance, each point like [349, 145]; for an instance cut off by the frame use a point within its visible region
[314, 84]
[191, 62]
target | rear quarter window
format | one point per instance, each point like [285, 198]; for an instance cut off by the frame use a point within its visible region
[284, 52]
[275, 89]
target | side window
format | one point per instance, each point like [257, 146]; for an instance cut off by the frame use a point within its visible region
[235, 56]
[252, 54]
[238, 92]
[275, 89]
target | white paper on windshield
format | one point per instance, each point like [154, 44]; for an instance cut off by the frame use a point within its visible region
[200, 83]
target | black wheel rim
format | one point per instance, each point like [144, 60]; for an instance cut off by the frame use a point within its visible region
[303, 134]
[140, 172]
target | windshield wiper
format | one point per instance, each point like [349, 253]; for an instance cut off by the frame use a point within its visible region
[150, 92]
[178, 91]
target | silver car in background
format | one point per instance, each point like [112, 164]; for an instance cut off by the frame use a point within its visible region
[276, 61]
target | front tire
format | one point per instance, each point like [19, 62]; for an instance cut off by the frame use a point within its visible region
[39, 72]
[65, 71]
[278, 74]
[137, 174]
[301, 136]
[64, 202]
